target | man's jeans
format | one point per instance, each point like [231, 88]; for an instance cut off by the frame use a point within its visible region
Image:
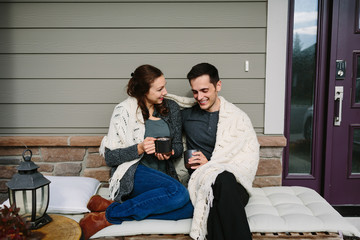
[227, 218]
[155, 195]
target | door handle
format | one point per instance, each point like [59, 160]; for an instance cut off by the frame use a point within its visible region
[339, 96]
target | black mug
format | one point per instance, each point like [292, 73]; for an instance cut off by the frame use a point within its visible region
[187, 156]
[163, 145]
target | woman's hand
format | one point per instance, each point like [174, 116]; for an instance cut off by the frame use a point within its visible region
[162, 156]
[197, 160]
[147, 146]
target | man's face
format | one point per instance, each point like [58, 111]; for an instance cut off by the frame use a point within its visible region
[205, 93]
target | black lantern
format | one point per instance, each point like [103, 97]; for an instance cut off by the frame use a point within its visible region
[29, 191]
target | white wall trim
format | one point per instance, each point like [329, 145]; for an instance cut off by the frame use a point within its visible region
[277, 25]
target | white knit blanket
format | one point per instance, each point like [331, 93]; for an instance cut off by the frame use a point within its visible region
[126, 129]
[236, 151]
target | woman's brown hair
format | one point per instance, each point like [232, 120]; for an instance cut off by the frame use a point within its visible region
[139, 85]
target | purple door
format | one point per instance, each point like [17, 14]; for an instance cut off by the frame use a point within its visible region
[342, 157]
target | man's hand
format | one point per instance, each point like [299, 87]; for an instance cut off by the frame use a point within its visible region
[197, 160]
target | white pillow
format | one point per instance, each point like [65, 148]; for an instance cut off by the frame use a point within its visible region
[70, 195]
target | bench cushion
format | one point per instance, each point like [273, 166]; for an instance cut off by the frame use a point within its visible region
[294, 209]
[270, 209]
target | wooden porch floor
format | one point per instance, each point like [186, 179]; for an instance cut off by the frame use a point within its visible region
[256, 236]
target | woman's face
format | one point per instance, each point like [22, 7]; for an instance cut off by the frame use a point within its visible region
[156, 92]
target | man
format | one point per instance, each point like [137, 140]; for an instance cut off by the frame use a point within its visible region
[225, 166]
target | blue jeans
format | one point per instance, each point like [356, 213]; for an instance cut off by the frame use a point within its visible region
[156, 195]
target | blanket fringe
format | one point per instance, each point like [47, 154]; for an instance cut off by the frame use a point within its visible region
[102, 146]
[114, 186]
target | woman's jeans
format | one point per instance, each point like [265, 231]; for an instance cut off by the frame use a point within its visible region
[155, 195]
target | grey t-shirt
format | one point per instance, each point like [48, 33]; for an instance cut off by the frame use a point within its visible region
[200, 128]
[155, 128]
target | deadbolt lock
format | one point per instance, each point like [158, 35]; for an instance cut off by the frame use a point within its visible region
[340, 69]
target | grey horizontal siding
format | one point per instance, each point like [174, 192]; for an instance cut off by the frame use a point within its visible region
[132, 40]
[65, 65]
[43, 131]
[133, 15]
[36, 116]
[121, 65]
[120, 1]
[112, 90]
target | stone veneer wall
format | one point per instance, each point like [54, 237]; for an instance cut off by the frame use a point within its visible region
[79, 156]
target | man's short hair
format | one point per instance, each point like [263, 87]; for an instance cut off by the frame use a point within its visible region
[204, 69]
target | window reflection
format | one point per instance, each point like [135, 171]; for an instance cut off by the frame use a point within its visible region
[356, 151]
[358, 16]
[356, 133]
[357, 82]
[302, 85]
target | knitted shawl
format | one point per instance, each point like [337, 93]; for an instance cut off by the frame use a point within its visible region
[236, 151]
[126, 129]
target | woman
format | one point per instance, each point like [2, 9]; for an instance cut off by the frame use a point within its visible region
[144, 183]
